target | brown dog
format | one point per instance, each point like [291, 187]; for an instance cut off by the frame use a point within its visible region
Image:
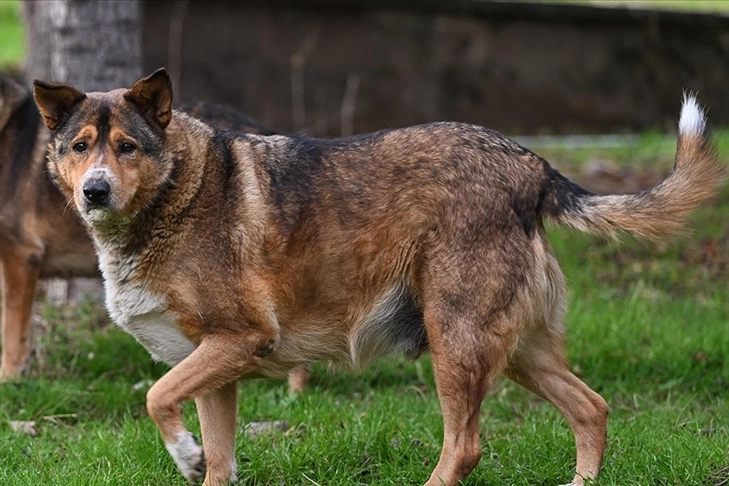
[39, 236]
[233, 256]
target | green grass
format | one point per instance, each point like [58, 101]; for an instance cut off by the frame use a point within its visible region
[12, 43]
[717, 6]
[648, 328]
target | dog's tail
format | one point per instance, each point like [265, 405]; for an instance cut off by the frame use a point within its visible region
[653, 213]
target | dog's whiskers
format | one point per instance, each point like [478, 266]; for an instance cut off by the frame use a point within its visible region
[68, 204]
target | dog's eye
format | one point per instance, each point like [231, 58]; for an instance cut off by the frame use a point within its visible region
[79, 147]
[126, 148]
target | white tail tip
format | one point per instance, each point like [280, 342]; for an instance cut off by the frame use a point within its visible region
[693, 120]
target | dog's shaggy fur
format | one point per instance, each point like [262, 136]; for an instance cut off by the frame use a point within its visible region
[231, 256]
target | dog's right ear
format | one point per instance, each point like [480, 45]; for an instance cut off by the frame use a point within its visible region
[153, 97]
[55, 101]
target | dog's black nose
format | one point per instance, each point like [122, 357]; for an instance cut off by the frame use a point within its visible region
[97, 191]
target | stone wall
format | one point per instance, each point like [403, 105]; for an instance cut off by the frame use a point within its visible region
[339, 67]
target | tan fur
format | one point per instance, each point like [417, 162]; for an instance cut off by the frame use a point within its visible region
[233, 256]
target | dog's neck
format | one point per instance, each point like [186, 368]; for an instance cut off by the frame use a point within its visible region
[156, 223]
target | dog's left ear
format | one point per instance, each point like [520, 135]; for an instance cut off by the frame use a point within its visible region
[55, 101]
[153, 97]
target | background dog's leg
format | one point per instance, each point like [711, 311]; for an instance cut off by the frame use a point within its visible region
[214, 365]
[540, 366]
[19, 279]
[218, 413]
[298, 379]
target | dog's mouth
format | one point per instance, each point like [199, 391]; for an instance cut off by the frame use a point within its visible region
[101, 215]
[95, 214]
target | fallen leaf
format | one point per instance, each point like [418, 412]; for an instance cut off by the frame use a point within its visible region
[254, 429]
[142, 385]
[24, 427]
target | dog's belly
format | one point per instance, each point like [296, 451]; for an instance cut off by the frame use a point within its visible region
[393, 324]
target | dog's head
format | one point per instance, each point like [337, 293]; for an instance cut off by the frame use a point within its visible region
[106, 149]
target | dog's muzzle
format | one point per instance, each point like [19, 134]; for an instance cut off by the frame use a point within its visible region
[96, 192]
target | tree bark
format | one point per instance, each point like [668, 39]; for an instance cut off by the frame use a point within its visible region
[37, 40]
[94, 45]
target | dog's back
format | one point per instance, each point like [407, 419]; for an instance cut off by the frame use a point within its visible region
[225, 117]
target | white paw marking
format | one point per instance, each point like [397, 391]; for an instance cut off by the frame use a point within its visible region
[188, 456]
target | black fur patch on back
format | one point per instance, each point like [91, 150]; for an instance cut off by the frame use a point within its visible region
[559, 194]
[293, 176]
[221, 146]
[224, 117]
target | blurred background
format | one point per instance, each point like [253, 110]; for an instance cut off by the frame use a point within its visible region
[331, 68]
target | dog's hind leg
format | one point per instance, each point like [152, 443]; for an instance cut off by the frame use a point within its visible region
[472, 296]
[464, 364]
[209, 375]
[540, 366]
[470, 342]
[19, 279]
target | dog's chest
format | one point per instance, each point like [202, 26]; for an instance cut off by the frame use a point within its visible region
[141, 313]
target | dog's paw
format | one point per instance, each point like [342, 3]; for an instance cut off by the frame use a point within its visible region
[188, 456]
[581, 481]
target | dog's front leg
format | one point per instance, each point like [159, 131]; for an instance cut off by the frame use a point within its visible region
[218, 414]
[19, 279]
[208, 374]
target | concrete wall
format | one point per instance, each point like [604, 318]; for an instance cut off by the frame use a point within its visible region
[331, 68]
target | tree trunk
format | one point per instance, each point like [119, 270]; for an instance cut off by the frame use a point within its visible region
[94, 45]
[37, 40]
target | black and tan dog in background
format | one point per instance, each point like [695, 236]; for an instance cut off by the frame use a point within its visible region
[231, 256]
[39, 236]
